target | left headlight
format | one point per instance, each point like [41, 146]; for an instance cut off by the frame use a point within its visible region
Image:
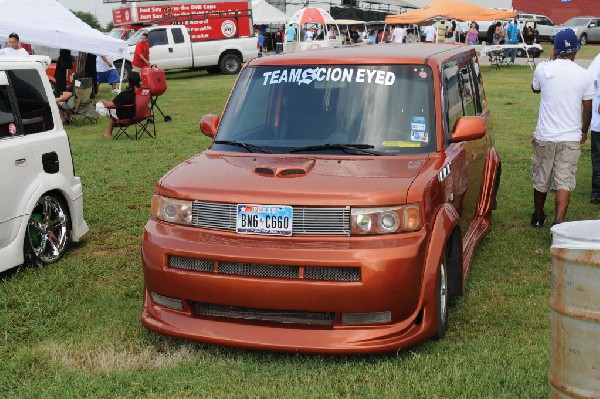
[386, 220]
[172, 210]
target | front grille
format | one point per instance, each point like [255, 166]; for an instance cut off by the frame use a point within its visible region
[266, 315]
[332, 273]
[325, 221]
[323, 273]
[259, 270]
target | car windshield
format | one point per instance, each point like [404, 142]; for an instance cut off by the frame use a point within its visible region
[133, 39]
[332, 109]
[116, 33]
[575, 22]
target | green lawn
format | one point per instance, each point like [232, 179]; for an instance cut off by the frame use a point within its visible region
[72, 329]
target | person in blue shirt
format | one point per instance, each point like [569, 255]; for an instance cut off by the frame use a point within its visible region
[290, 38]
[261, 39]
[512, 37]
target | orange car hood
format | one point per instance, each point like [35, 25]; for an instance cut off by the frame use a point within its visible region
[294, 180]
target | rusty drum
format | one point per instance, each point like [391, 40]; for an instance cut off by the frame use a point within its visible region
[575, 303]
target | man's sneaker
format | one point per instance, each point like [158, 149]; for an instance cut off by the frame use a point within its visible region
[595, 200]
[538, 221]
[116, 91]
[556, 222]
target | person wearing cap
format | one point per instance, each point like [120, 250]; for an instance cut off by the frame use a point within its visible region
[594, 71]
[14, 47]
[563, 122]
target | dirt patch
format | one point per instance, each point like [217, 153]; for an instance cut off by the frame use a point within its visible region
[111, 359]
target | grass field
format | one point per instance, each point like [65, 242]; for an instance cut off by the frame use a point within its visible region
[72, 329]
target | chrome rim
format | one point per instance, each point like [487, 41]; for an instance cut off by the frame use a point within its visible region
[443, 292]
[47, 229]
[231, 65]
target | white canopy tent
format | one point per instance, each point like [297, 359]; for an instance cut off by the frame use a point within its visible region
[48, 23]
[264, 14]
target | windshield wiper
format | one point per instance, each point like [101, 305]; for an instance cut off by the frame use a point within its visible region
[347, 148]
[249, 147]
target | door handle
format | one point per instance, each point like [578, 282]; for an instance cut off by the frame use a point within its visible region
[21, 162]
[170, 49]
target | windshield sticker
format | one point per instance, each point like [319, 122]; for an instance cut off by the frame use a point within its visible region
[401, 144]
[418, 129]
[308, 76]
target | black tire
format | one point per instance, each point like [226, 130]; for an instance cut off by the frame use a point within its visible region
[230, 64]
[442, 298]
[496, 188]
[48, 231]
[520, 53]
[126, 72]
[583, 39]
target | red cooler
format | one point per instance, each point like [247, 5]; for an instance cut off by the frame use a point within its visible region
[153, 78]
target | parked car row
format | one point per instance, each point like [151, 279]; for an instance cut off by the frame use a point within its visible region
[587, 29]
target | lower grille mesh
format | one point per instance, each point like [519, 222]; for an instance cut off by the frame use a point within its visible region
[267, 315]
[322, 273]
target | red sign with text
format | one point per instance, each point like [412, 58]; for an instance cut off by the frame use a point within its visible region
[207, 21]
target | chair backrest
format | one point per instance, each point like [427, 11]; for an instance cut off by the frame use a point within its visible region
[83, 89]
[142, 101]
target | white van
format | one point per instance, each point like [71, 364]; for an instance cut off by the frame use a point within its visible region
[41, 206]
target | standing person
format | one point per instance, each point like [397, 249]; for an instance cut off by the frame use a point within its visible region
[512, 37]
[106, 73]
[260, 40]
[564, 119]
[497, 32]
[490, 33]
[472, 34]
[141, 56]
[430, 34]
[331, 33]
[90, 71]
[451, 33]
[14, 46]
[594, 71]
[279, 40]
[398, 35]
[63, 64]
[290, 38]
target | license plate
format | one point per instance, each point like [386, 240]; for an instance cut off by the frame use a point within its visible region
[264, 219]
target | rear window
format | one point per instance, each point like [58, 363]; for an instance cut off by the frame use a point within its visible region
[36, 115]
[387, 108]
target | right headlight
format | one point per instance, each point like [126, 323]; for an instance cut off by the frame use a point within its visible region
[386, 220]
[171, 210]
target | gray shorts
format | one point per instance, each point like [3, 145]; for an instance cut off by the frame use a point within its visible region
[554, 165]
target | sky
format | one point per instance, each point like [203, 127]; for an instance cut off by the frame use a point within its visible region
[104, 11]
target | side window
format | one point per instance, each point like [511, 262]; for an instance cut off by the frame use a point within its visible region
[8, 125]
[452, 96]
[470, 91]
[158, 37]
[177, 35]
[36, 115]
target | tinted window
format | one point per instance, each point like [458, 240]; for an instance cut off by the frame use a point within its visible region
[36, 115]
[463, 92]
[389, 107]
[177, 35]
[7, 118]
[453, 105]
[158, 37]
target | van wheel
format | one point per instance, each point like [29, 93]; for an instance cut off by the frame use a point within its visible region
[442, 298]
[583, 39]
[47, 232]
[126, 71]
[230, 64]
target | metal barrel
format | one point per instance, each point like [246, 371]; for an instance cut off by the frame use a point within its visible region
[575, 307]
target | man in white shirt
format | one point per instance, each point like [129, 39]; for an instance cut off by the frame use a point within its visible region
[564, 119]
[106, 72]
[430, 33]
[594, 71]
[398, 35]
[14, 47]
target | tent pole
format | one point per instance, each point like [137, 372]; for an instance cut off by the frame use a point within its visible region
[121, 74]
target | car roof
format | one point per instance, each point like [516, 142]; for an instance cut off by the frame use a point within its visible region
[42, 59]
[409, 53]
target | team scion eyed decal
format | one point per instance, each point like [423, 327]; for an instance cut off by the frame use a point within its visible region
[309, 75]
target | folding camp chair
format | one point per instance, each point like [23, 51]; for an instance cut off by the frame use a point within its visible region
[84, 102]
[142, 120]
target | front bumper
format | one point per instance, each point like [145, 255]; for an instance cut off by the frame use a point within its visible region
[391, 280]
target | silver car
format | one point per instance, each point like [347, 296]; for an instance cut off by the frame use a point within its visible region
[587, 29]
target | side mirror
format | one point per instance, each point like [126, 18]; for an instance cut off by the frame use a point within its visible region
[468, 128]
[209, 125]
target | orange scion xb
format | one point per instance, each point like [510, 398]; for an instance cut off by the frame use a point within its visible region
[337, 208]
